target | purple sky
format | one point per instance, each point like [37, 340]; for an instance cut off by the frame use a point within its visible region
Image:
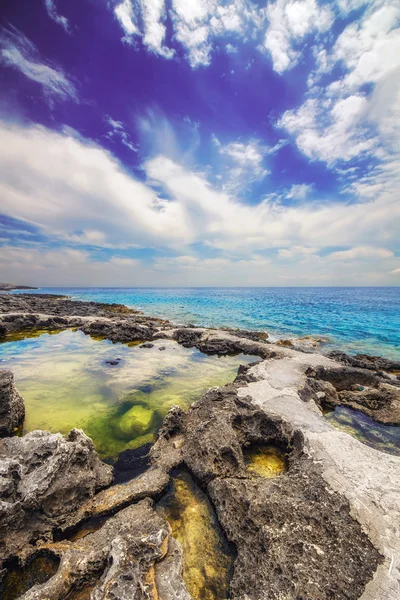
[197, 142]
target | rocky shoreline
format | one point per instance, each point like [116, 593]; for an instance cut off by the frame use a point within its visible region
[327, 528]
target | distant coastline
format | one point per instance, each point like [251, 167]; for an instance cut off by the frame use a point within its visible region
[9, 287]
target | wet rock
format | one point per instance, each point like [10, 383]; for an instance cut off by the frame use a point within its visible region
[12, 408]
[43, 478]
[106, 502]
[295, 537]
[132, 463]
[222, 342]
[147, 345]
[161, 348]
[120, 560]
[126, 330]
[365, 361]
[113, 362]
[255, 336]
[359, 389]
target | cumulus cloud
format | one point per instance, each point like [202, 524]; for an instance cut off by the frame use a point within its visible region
[197, 24]
[341, 120]
[361, 253]
[246, 162]
[53, 14]
[75, 191]
[65, 266]
[17, 52]
[289, 23]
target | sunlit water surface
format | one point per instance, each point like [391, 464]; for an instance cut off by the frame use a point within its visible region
[207, 556]
[381, 437]
[355, 319]
[66, 382]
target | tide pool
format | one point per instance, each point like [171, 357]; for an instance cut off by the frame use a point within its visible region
[358, 319]
[67, 381]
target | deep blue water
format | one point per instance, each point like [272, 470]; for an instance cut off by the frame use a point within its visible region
[356, 319]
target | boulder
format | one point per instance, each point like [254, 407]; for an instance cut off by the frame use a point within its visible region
[44, 477]
[12, 408]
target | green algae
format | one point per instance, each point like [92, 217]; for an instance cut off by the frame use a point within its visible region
[381, 437]
[19, 580]
[66, 382]
[265, 461]
[207, 556]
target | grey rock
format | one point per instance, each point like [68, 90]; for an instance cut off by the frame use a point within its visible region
[12, 407]
[295, 537]
[359, 389]
[43, 478]
[122, 560]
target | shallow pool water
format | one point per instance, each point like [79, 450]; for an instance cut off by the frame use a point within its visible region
[19, 580]
[207, 557]
[381, 437]
[66, 382]
[265, 461]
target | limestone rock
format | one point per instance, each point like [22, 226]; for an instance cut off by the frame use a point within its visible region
[359, 389]
[295, 537]
[43, 478]
[123, 560]
[12, 408]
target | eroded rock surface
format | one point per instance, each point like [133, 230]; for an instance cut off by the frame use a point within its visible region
[327, 528]
[43, 478]
[293, 534]
[359, 389]
[12, 407]
[123, 560]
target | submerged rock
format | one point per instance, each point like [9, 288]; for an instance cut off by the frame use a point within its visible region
[43, 478]
[136, 421]
[12, 408]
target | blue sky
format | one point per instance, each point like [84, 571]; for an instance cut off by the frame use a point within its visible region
[197, 142]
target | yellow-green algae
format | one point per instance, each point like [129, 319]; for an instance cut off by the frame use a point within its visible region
[265, 461]
[19, 580]
[381, 437]
[66, 383]
[207, 557]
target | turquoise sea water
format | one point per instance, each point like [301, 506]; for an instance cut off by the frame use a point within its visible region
[355, 319]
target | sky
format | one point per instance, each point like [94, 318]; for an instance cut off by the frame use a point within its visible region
[200, 142]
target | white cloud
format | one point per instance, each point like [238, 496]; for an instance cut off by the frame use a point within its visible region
[289, 23]
[18, 52]
[245, 162]
[117, 130]
[53, 14]
[78, 192]
[297, 251]
[341, 121]
[197, 24]
[299, 191]
[66, 266]
[361, 253]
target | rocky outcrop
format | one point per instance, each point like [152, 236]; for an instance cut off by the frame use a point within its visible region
[223, 342]
[293, 534]
[12, 408]
[366, 361]
[131, 556]
[43, 478]
[359, 389]
[30, 312]
[126, 330]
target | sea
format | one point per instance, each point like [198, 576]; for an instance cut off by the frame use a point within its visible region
[355, 319]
